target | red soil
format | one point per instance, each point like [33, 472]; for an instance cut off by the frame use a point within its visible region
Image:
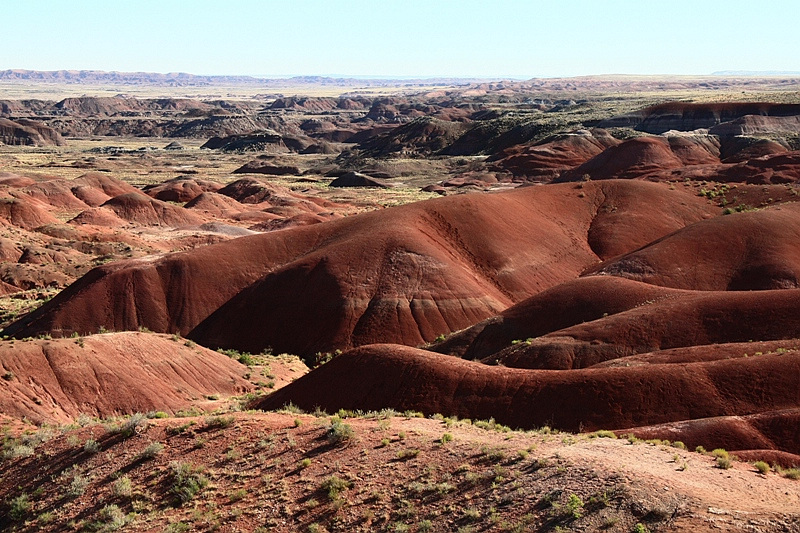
[546, 159]
[141, 209]
[402, 378]
[111, 374]
[742, 251]
[403, 275]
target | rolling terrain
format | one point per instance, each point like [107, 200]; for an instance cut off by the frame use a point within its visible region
[523, 266]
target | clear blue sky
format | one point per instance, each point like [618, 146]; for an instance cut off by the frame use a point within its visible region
[423, 38]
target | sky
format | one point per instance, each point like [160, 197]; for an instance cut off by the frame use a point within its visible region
[407, 38]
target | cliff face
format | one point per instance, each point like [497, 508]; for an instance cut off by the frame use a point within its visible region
[28, 133]
[691, 116]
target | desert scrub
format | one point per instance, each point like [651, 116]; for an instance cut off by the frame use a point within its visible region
[305, 463]
[447, 437]
[333, 486]
[20, 507]
[122, 487]
[136, 423]
[91, 447]
[720, 453]
[405, 455]
[339, 432]
[762, 467]
[77, 486]
[151, 450]
[219, 422]
[187, 481]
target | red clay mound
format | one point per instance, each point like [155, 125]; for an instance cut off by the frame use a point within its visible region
[14, 181]
[111, 374]
[565, 305]
[98, 216]
[89, 195]
[682, 318]
[214, 203]
[24, 213]
[255, 191]
[181, 189]
[107, 184]
[389, 376]
[694, 354]
[742, 251]
[772, 434]
[404, 274]
[638, 157]
[548, 158]
[768, 169]
[141, 209]
[55, 193]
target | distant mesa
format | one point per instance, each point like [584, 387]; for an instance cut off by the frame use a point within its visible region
[684, 116]
[262, 141]
[26, 132]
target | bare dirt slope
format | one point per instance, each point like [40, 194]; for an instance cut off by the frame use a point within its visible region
[115, 373]
[405, 275]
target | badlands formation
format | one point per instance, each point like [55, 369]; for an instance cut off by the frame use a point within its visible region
[524, 253]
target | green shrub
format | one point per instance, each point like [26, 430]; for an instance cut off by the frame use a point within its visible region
[77, 486]
[339, 432]
[720, 453]
[20, 507]
[724, 463]
[305, 463]
[410, 453]
[91, 446]
[122, 487]
[187, 481]
[219, 422]
[333, 486]
[151, 450]
[792, 473]
[447, 437]
[762, 467]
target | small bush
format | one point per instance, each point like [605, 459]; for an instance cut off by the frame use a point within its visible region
[237, 495]
[724, 463]
[405, 455]
[720, 453]
[792, 473]
[219, 422]
[333, 486]
[77, 486]
[122, 487]
[151, 450]
[640, 528]
[305, 463]
[134, 424]
[91, 447]
[700, 449]
[339, 432]
[187, 481]
[20, 507]
[112, 516]
[762, 467]
[447, 437]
